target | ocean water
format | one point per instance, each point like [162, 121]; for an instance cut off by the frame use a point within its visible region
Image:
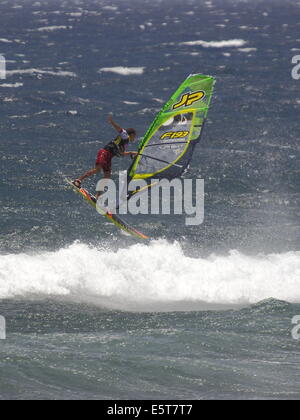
[198, 312]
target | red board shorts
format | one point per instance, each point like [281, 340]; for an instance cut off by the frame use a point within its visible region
[104, 158]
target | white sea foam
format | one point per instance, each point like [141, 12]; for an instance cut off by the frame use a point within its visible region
[13, 117]
[144, 276]
[247, 50]
[160, 101]
[10, 85]
[124, 71]
[231, 43]
[33, 71]
[75, 14]
[130, 103]
[50, 28]
[112, 8]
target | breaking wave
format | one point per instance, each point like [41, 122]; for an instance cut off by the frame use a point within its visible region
[156, 276]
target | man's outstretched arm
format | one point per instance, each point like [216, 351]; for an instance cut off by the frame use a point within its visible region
[129, 154]
[115, 125]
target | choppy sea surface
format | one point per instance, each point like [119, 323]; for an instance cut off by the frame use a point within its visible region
[198, 312]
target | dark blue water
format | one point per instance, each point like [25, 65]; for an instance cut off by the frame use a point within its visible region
[92, 313]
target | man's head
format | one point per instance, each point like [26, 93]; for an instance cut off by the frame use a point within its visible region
[132, 133]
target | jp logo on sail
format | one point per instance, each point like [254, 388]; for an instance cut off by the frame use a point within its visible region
[189, 98]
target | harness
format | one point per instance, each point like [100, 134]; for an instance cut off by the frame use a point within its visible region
[117, 146]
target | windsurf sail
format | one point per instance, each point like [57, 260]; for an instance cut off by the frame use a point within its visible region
[168, 145]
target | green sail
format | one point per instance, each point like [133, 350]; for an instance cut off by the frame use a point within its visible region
[168, 145]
